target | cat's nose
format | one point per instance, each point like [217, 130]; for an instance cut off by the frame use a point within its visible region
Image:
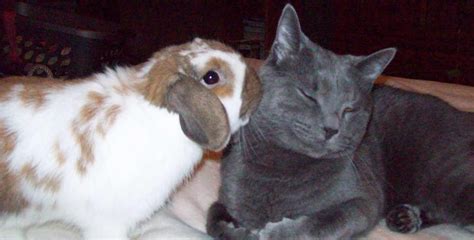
[329, 132]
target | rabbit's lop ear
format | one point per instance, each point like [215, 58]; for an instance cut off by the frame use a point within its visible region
[202, 116]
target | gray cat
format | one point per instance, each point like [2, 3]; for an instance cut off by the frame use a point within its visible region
[326, 155]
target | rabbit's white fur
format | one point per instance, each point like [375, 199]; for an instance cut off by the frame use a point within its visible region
[139, 160]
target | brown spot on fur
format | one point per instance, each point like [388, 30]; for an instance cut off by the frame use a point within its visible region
[90, 110]
[5, 92]
[11, 199]
[223, 68]
[109, 119]
[212, 155]
[161, 77]
[32, 95]
[252, 92]
[169, 60]
[81, 129]
[35, 88]
[59, 154]
[122, 90]
[83, 138]
[7, 141]
[111, 114]
[47, 183]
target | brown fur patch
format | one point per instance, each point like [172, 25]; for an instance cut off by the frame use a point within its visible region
[32, 95]
[222, 67]
[162, 76]
[211, 155]
[252, 92]
[47, 183]
[82, 131]
[160, 79]
[60, 156]
[95, 102]
[5, 92]
[123, 90]
[35, 88]
[111, 114]
[109, 119]
[11, 199]
[84, 139]
[7, 140]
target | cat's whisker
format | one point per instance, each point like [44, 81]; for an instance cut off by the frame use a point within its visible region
[257, 134]
[250, 146]
[259, 131]
[243, 143]
[247, 147]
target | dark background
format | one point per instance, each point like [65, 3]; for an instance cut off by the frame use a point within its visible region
[435, 39]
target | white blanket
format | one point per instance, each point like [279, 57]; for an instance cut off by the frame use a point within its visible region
[184, 218]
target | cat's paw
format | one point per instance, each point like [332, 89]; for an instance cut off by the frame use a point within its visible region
[285, 229]
[404, 218]
[231, 232]
[239, 233]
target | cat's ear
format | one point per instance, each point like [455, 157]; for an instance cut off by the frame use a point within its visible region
[373, 65]
[288, 35]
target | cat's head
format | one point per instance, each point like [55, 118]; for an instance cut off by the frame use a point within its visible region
[316, 102]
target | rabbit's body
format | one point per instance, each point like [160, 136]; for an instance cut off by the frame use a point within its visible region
[100, 153]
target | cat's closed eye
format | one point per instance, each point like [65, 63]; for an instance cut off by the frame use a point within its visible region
[306, 95]
[348, 109]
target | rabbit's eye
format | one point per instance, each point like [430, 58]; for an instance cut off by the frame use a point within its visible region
[211, 78]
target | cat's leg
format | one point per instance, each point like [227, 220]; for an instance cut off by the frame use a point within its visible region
[221, 225]
[347, 220]
[296, 229]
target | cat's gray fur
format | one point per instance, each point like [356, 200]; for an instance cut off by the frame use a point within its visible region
[325, 155]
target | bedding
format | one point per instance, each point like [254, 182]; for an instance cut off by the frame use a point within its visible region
[185, 214]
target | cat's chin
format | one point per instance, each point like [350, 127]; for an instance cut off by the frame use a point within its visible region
[344, 153]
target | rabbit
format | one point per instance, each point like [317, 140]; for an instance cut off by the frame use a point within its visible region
[103, 153]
